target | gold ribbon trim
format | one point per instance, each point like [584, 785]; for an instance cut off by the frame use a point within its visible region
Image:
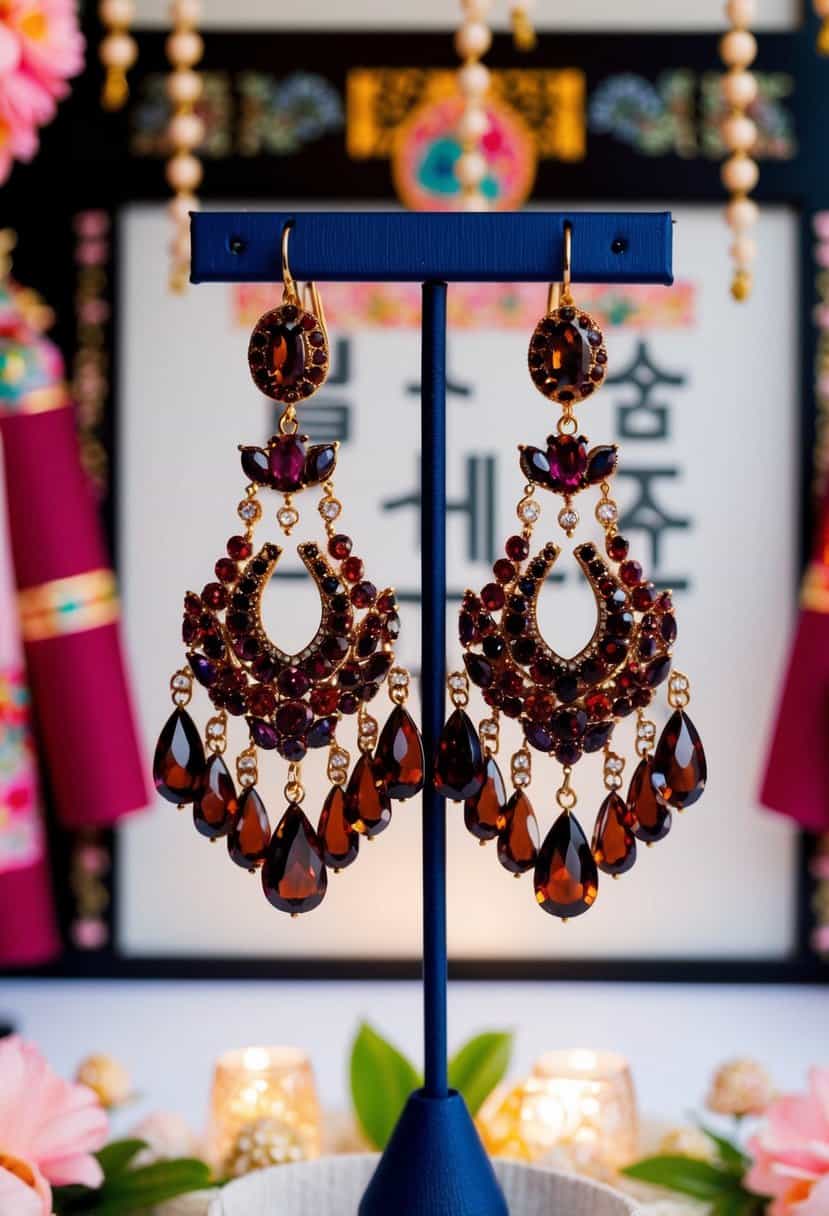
[68, 605]
[814, 594]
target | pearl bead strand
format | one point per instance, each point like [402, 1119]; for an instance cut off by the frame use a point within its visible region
[740, 173]
[472, 41]
[118, 51]
[185, 132]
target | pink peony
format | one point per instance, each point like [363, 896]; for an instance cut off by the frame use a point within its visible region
[791, 1152]
[48, 1130]
[51, 45]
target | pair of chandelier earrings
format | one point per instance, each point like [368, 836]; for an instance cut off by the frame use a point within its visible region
[295, 704]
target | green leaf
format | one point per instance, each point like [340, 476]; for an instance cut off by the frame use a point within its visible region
[114, 1158]
[136, 1190]
[729, 1154]
[479, 1066]
[687, 1175]
[381, 1081]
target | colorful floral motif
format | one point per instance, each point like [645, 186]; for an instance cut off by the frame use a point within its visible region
[479, 306]
[21, 835]
[659, 118]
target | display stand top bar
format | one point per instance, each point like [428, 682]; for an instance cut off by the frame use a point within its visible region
[400, 246]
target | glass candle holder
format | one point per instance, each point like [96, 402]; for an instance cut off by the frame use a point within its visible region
[577, 1108]
[272, 1087]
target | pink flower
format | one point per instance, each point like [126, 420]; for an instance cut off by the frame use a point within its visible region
[51, 45]
[48, 1130]
[791, 1152]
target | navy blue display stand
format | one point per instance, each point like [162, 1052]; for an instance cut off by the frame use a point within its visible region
[434, 1164]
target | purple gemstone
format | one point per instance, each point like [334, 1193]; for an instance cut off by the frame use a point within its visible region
[291, 749]
[596, 736]
[466, 629]
[287, 463]
[263, 733]
[602, 463]
[479, 670]
[538, 737]
[568, 752]
[568, 461]
[349, 704]
[255, 465]
[657, 671]
[292, 682]
[319, 463]
[569, 723]
[535, 465]
[321, 733]
[203, 669]
[264, 669]
[293, 718]
[668, 629]
[378, 666]
[317, 666]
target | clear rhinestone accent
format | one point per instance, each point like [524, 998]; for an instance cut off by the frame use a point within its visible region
[287, 517]
[679, 683]
[248, 510]
[568, 519]
[399, 679]
[521, 761]
[646, 731]
[457, 682]
[330, 508]
[521, 778]
[339, 760]
[181, 683]
[607, 512]
[529, 510]
[614, 764]
[215, 730]
[489, 728]
[247, 764]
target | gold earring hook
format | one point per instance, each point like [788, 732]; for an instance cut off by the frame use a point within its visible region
[560, 293]
[313, 303]
[291, 291]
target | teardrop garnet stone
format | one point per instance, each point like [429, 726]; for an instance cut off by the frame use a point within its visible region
[178, 764]
[679, 769]
[651, 819]
[485, 814]
[459, 768]
[367, 805]
[250, 833]
[566, 875]
[294, 877]
[519, 837]
[614, 845]
[340, 842]
[215, 808]
[399, 760]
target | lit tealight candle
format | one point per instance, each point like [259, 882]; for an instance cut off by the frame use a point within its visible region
[578, 1104]
[264, 1083]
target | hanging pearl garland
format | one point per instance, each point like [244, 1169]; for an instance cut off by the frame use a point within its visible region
[472, 41]
[185, 132]
[740, 173]
[822, 10]
[118, 51]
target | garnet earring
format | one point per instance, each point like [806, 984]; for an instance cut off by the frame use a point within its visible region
[292, 704]
[568, 708]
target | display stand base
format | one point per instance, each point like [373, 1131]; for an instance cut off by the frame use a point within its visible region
[434, 1165]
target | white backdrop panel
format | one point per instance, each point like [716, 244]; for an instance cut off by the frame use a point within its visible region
[723, 882]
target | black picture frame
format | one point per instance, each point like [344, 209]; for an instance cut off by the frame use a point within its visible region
[86, 164]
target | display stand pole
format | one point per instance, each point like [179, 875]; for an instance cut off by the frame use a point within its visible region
[434, 1163]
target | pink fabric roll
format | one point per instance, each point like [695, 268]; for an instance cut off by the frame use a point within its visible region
[28, 933]
[69, 624]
